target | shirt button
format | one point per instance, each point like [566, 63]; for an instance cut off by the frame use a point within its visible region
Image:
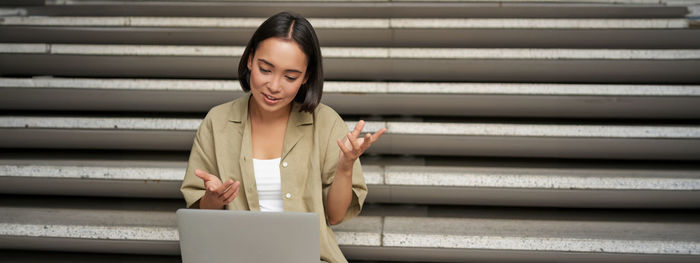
[288, 195]
[284, 164]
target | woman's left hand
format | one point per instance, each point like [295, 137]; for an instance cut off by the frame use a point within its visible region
[353, 146]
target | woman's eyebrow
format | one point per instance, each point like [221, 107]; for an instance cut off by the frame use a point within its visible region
[272, 65]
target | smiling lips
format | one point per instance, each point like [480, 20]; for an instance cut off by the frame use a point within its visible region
[269, 99]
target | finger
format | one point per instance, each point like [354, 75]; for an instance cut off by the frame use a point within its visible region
[222, 189]
[231, 198]
[211, 186]
[342, 148]
[372, 138]
[367, 142]
[228, 185]
[353, 142]
[235, 193]
[202, 174]
[358, 128]
[234, 187]
[226, 188]
[229, 192]
[378, 134]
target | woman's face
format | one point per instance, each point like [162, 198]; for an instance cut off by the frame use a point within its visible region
[277, 70]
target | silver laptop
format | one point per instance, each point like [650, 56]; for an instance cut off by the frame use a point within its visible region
[245, 236]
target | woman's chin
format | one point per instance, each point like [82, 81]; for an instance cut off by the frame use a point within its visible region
[268, 105]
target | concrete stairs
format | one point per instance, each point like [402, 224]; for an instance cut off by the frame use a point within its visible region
[516, 130]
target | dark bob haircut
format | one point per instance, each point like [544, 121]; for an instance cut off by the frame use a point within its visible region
[294, 27]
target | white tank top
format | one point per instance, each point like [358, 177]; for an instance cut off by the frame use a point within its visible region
[269, 184]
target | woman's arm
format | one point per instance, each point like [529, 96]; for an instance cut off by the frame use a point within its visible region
[340, 193]
[200, 188]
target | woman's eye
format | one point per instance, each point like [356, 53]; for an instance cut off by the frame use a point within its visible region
[290, 78]
[264, 70]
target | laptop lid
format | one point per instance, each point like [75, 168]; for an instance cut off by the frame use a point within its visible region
[248, 236]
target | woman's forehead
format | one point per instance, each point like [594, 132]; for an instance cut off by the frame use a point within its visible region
[281, 53]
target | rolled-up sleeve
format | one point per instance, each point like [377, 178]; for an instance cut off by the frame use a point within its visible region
[332, 153]
[201, 157]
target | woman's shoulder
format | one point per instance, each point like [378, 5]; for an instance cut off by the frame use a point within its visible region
[325, 115]
[227, 109]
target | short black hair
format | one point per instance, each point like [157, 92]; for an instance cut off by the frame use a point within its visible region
[290, 26]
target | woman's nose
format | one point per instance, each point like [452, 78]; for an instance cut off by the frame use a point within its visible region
[274, 86]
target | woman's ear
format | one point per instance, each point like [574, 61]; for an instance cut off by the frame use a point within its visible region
[306, 78]
[250, 62]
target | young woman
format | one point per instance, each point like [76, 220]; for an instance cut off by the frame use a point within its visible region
[277, 148]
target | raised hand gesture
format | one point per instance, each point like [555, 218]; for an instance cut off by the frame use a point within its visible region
[217, 194]
[353, 146]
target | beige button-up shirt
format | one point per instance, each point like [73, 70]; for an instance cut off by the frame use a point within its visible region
[223, 147]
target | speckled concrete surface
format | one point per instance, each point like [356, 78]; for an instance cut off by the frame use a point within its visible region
[90, 232]
[425, 232]
[93, 172]
[543, 178]
[215, 22]
[342, 23]
[146, 50]
[135, 225]
[360, 231]
[544, 89]
[371, 52]
[367, 237]
[525, 53]
[374, 174]
[543, 235]
[121, 84]
[364, 87]
[543, 244]
[544, 130]
[343, 52]
[539, 23]
[24, 48]
[592, 179]
[392, 176]
[100, 123]
[418, 128]
[370, 126]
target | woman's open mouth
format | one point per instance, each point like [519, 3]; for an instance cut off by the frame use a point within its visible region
[270, 100]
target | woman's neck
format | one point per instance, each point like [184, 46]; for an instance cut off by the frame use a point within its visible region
[257, 114]
[267, 130]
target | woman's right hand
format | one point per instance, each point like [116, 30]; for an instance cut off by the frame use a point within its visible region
[217, 194]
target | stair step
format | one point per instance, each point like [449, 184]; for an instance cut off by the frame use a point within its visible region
[348, 23]
[410, 37]
[389, 181]
[371, 9]
[425, 64]
[372, 98]
[124, 227]
[362, 32]
[23, 256]
[31, 224]
[495, 239]
[663, 142]
[518, 130]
